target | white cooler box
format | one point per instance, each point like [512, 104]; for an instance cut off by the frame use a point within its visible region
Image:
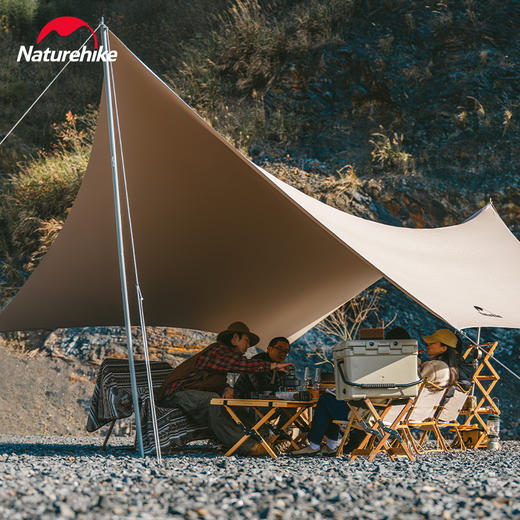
[376, 368]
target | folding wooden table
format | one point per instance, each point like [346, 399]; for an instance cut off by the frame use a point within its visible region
[278, 414]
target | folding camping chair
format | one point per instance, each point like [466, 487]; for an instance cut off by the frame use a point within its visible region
[112, 398]
[447, 416]
[422, 417]
[391, 428]
[364, 415]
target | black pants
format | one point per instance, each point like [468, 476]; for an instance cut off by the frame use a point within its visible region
[329, 409]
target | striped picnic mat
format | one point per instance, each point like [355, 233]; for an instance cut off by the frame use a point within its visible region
[112, 399]
[176, 430]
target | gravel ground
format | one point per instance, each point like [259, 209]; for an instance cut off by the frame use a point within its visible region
[69, 477]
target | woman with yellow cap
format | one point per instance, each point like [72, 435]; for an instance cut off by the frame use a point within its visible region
[442, 367]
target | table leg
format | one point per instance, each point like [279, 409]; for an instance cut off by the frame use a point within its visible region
[292, 419]
[260, 423]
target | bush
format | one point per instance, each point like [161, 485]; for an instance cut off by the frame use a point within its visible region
[35, 200]
[388, 152]
[243, 60]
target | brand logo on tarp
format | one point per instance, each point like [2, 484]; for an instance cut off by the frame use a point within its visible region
[65, 26]
[487, 313]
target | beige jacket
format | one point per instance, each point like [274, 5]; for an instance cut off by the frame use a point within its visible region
[435, 371]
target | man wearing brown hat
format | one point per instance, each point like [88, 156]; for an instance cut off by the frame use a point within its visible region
[193, 384]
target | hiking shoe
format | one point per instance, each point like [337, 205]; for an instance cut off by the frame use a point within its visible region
[328, 452]
[304, 452]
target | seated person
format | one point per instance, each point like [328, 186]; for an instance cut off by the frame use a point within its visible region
[258, 382]
[442, 369]
[329, 409]
[466, 367]
[193, 384]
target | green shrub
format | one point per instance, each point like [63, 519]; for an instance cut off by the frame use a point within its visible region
[36, 199]
[387, 152]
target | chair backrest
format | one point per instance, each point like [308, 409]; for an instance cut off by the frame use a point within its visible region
[453, 406]
[392, 414]
[429, 398]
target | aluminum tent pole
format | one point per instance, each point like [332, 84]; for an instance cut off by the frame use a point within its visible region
[120, 245]
[140, 298]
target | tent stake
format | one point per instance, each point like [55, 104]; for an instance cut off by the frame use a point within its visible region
[120, 245]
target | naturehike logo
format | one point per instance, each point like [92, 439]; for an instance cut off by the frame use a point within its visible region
[65, 26]
[487, 313]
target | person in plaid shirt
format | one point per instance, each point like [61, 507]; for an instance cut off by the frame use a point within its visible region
[193, 384]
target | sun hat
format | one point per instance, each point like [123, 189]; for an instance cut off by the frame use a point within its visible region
[444, 336]
[238, 327]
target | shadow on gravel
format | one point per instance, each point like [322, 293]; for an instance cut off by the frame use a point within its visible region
[63, 450]
[78, 449]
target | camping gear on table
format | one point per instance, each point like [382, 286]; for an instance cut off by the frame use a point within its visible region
[288, 383]
[376, 368]
[290, 388]
[327, 382]
[318, 384]
[300, 395]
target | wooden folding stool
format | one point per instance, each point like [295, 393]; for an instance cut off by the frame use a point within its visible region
[485, 383]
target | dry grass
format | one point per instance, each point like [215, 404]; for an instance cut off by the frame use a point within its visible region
[388, 154]
[242, 61]
[35, 200]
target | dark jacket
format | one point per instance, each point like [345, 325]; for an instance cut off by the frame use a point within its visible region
[258, 382]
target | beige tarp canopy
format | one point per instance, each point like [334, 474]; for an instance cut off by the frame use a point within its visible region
[219, 239]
